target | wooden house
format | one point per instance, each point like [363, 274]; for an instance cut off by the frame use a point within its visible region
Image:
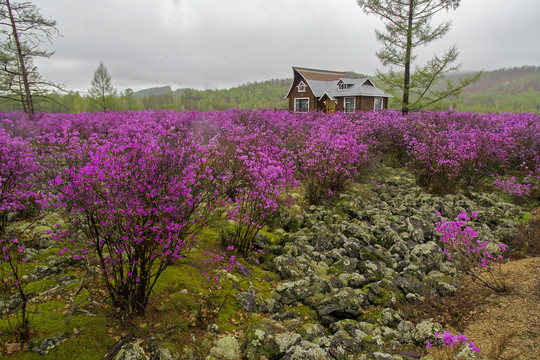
[330, 91]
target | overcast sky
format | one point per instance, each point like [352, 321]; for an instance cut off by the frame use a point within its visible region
[210, 44]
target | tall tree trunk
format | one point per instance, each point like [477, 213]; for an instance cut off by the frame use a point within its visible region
[407, 75]
[29, 108]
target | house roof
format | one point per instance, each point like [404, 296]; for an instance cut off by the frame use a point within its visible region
[323, 82]
[319, 75]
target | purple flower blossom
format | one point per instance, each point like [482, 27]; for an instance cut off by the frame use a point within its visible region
[450, 340]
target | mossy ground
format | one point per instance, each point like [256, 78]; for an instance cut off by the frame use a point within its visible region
[86, 336]
[183, 307]
[184, 304]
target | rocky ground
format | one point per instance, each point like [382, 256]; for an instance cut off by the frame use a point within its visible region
[339, 282]
[354, 264]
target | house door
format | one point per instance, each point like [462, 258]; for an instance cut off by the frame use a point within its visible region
[330, 106]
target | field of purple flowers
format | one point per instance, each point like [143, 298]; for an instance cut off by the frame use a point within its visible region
[144, 184]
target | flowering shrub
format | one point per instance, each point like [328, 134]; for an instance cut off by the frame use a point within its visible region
[446, 148]
[11, 275]
[18, 175]
[510, 185]
[266, 174]
[142, 183]
[458, 345]
[141, 202]
[331, 155]
[471, 255]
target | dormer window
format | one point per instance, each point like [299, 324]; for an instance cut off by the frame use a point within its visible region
[301, 87]
[342, 85]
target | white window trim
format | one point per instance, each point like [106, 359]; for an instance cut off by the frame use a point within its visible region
[354, 103]
[305, 98]
[375, 102]
[342, 85]
[302, 87]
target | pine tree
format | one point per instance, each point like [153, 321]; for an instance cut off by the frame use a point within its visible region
[407, 27]
[102, 92]
[22, 29]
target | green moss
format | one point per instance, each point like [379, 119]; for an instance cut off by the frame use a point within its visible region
[385, 298]
[523, 219]
[42, 285]
[264, 280]
[332, 270]
[371, 315]
[272, 238]
[306, 312]
[180, 276]
[267, 260]
[50, 318]
[401, 297]
[49, 321]
[210, 237]
[45, 253]
[183, 301]
[24, 268]
[28, 355]
[91, 343]
[229, 311]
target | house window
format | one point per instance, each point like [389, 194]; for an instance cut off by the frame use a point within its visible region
[301, 105]
[378, 103]
[342, 86]
[349, 104]
[301, 87]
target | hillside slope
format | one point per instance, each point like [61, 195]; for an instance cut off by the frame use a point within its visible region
[504, 90]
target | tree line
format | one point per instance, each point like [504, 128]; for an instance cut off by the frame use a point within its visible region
[512, 90]
[258, 95]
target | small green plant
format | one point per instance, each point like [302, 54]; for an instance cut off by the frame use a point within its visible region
[527, 243]
[523, 219]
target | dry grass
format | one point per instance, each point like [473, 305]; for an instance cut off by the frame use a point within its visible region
[527, 243]
[501, 349]
[454, 312]
[504, 325]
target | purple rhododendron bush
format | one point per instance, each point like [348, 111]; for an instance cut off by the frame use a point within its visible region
[298, 236]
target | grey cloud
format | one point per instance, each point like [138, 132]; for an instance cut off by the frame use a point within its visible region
[217, 43]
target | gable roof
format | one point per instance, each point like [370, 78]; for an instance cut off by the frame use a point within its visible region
[319, 75]
[323, 82]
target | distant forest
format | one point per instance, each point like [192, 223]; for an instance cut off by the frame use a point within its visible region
[505, 90]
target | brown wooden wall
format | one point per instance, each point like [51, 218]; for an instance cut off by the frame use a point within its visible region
[306, 94]
[364, 103]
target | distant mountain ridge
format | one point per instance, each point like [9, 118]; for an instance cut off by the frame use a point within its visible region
[504, 90]
[152, 91]
[510, 80]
